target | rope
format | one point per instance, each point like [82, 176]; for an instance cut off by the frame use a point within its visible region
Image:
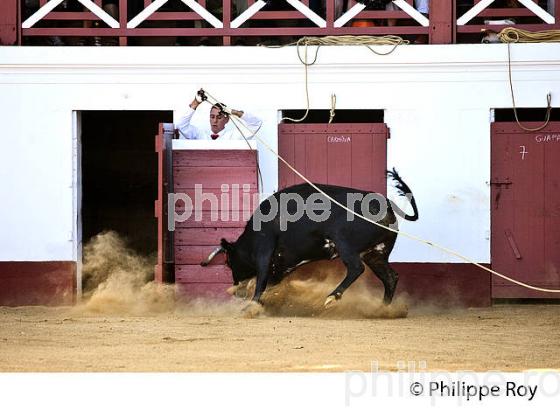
[305, 66]
[548, 100]
[515, 35]
[333, 108]
[348, 40]
[249, 145]
[366, 41]
[410, 236]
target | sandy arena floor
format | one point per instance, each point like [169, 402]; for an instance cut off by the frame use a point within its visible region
[125, 324]
[507, 338]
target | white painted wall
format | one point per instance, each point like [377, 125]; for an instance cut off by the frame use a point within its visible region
[437, 102]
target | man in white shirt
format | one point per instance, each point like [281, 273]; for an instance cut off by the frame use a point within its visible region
[218, 122]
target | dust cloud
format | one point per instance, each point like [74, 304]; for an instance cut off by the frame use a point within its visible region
[117, 280]
[304, 291]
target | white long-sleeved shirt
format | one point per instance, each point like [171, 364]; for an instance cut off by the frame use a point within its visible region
[188, 131]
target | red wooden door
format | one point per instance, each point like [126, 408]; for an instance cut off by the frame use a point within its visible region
[222, 185]
[227, 179]
[525, 214]
[352, 155]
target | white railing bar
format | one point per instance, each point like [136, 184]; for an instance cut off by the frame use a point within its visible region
[349, 15]
[412, 12]
[473, 12]
[144, 14]
[99, 12]
[90, 5]
[539, 11]
[247, 14]
[307, 12]
[39, 14]
[205, 14]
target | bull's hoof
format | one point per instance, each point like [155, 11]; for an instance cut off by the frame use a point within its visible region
[329, 302]
[252, 310]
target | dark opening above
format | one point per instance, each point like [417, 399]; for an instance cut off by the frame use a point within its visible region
[341, 116]
[525, 114]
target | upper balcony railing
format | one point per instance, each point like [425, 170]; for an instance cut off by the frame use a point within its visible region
[495, 15]
[249, 22]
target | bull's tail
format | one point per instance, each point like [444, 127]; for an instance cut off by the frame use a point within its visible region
[404, 190]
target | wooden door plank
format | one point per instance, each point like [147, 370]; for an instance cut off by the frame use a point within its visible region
[194, 254]
[362, 162]
[213, 177]
[316, 153]
[339, 157]
[205, 236]
[214, 158]
[286, 149]
[550, 141]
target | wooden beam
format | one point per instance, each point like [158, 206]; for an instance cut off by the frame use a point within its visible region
[442, 18]
[48, 283]
[9, 23]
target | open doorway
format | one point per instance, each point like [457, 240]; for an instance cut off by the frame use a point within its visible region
[118, 178]
[538, 115]
[340, 116]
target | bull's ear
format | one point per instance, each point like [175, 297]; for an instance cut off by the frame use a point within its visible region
[226, 245]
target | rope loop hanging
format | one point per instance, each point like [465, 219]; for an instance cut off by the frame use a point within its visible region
[305, 42]
[548, 101]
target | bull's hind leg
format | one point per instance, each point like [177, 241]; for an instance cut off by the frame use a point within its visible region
[379, 264]
[354, 268]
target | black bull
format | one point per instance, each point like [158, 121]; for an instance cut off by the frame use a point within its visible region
[276, 244]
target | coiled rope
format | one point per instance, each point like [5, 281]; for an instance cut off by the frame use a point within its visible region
[516, 35]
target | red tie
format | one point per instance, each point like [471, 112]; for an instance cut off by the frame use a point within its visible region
[214, 136]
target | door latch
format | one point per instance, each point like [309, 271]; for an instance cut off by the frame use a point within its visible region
[500, 182]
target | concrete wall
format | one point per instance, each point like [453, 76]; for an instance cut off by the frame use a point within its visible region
[437, 102]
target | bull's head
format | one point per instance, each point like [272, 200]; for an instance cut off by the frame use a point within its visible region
[237, 260]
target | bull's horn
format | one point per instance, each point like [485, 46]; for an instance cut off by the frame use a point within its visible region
[209, 258]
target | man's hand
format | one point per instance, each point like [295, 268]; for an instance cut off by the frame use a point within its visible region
[224, 109]
[199, 97]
